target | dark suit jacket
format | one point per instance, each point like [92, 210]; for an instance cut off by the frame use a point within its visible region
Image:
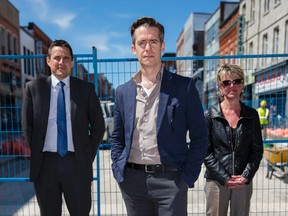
[179, 111]
[86, 118]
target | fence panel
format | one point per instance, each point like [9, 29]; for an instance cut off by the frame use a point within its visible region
[265, 78]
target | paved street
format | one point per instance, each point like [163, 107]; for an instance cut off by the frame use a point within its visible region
[17, 198]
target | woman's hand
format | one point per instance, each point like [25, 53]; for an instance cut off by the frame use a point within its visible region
[236, 181]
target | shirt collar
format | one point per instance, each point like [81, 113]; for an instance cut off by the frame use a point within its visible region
[137, 77]
[55, 81]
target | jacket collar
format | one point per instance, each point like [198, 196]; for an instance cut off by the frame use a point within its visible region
[215, 111]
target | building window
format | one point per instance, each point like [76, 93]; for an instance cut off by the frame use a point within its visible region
[265, 48]
[265, 44]
[2, 41]
[266, 6]
[276, 41]
[212, 34]
[29, 63]
[15, 47]
[227, 61]
[9, 44]
[250, 48]
[32, 64]
[244, 15]
[244, 10]
[252, 12]
[250, 52]
[277, 2]
[25, 60]
[286, 38]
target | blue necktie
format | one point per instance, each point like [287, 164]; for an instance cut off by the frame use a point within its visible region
[61, 122]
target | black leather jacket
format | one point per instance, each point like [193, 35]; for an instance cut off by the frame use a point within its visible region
[223, 160]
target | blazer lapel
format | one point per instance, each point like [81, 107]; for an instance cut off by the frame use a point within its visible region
[73, 98]
[45, 101]
[166, 87]
[130, 106]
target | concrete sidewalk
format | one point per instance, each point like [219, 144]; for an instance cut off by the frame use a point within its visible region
[17, 198]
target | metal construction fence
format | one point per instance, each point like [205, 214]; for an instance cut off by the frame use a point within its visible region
[266, 78]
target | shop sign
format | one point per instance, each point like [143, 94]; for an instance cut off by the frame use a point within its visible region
[272, 83]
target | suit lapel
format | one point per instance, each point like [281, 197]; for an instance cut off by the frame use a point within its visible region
[166, 88]
[44, 104]
[131, 105]
[74, 93]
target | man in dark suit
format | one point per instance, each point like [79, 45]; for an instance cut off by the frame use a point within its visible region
[151, 159]
[68, 172]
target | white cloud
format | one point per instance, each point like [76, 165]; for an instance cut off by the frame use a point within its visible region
[100, 41]
[64, 21]
[43, 11]
[122, 50]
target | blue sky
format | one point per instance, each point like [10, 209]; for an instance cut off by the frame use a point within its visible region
[105, 23]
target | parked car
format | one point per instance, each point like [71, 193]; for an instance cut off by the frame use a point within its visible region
[108, 114]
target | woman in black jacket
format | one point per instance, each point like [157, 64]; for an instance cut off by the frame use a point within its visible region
[235, 147]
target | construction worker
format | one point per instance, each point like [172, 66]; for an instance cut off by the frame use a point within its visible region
[264, 117]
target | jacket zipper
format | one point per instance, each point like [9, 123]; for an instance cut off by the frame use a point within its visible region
[233, 149]
[231, 144]
[233, 157]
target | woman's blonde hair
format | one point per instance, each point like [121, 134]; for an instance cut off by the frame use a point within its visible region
[232, 70]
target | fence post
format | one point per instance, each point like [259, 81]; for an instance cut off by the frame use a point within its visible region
[94, 49]
[94, 58]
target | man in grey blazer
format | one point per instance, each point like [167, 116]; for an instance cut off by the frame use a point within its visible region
[69, 174]
[151, 159]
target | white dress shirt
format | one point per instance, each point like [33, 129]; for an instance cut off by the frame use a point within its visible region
[51, 133]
